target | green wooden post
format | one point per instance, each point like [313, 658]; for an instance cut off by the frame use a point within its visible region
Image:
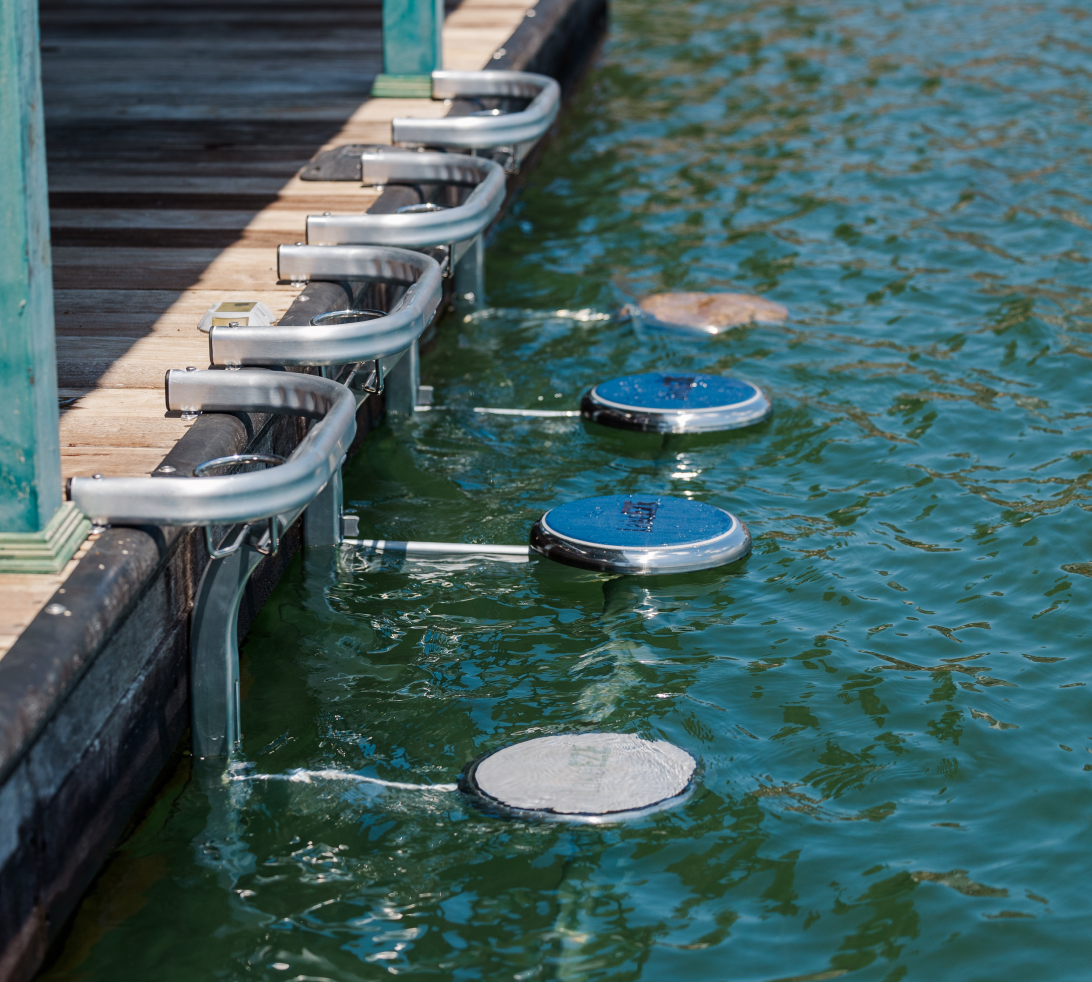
[411, 48]
[38, 533]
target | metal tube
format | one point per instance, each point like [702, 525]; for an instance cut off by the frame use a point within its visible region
[400, 384]
[392, 547]
[470, 273]
[339, 344]
[214, 651]
[420, 229]
[234, 498]
[482, 132]
[322, 519]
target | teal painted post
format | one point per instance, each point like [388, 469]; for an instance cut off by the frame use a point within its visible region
[31, 512]
[411, 48]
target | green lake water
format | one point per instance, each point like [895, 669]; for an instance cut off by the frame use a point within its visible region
[888, 698]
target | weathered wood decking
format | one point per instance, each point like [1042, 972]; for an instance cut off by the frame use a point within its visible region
[174, 132]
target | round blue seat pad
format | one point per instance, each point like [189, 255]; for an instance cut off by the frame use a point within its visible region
[660, 392]
[628, 521]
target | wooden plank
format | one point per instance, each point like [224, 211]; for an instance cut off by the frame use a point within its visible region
[27, 593]
[119, 418]
[139, 313]
[125, 362]
[241, 109]
[72, 180]
[179, 228]
[87, 461]
[288, 220]
[475, 31]
[235, 268]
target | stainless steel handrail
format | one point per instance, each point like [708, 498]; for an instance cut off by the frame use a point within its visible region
[423, 228]
[483, 132]
[231, 498]
[338, 344]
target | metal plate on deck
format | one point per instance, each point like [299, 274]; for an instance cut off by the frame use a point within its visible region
[588, 777]
[676, 402]
[640, 533]
[338, 164]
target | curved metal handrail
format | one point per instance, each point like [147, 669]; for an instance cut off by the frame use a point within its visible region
[338, 344]
[231, 498]
[483, 132]
[423, 228]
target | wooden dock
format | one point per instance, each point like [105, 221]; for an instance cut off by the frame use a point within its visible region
[175, 131]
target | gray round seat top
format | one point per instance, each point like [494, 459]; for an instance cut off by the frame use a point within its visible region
[676, 402]
[583, 776]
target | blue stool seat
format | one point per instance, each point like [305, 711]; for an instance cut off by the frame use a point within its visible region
[676, 402]
[640, 533]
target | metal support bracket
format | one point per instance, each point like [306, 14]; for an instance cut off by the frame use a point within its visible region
[322, 519]
[233, 498]
[261, 502]
[346, 342]
[428, 224]
[459, 227]
[402, 382]
[214, 651]
[470, 273]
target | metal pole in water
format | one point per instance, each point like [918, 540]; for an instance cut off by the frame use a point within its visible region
[403, 381]
[438, 550]
[322, 519]
[37, 533]
[470, 274]
[214, 651]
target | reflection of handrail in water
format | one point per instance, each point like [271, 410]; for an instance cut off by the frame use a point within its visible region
[490, 411]
[222, 844]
